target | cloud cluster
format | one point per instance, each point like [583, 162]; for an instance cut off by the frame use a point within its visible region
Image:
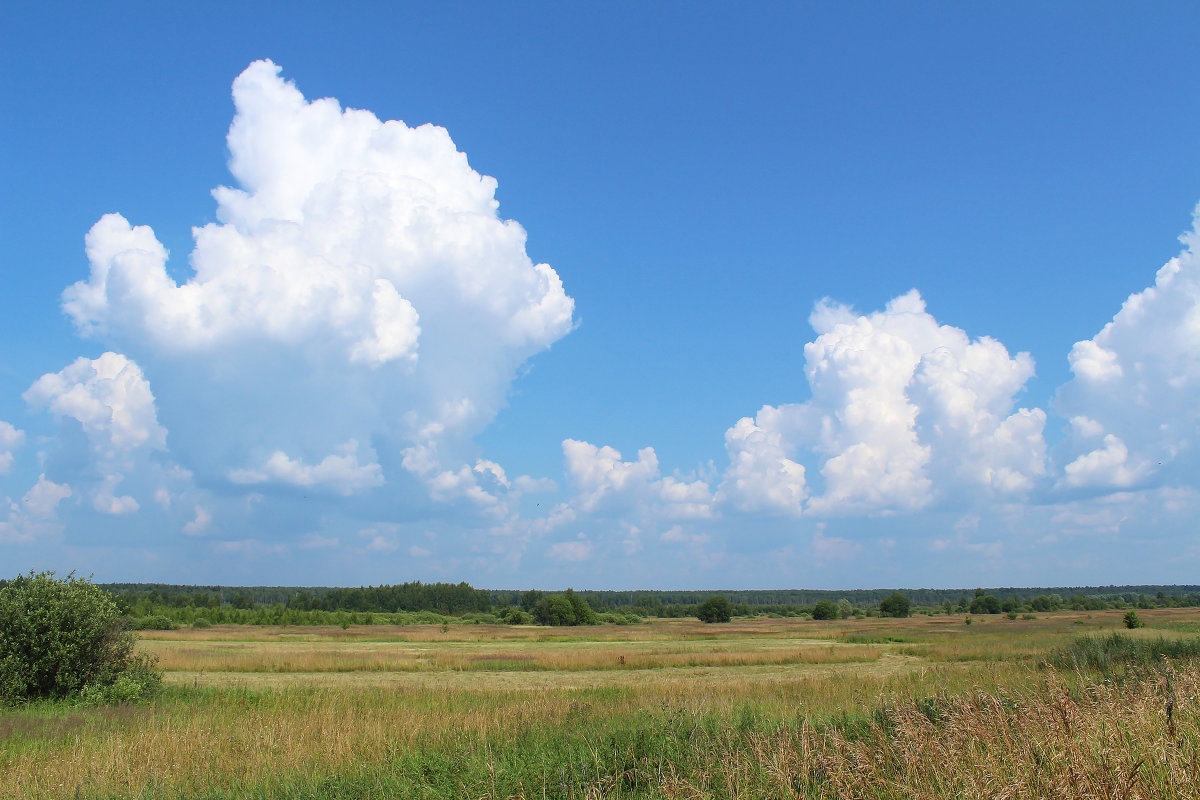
[1132, 397]
[108, 396]
[607, 485]
[358, 286]
[903, 410]
[357, 313]
[35, 515]
[109, 400]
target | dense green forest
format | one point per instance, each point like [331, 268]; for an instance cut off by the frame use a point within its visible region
[156, 604]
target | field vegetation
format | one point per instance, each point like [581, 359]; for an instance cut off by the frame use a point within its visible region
[1067, 704]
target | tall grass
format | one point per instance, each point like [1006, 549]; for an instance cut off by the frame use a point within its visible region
[529, 719]
[1119, 651]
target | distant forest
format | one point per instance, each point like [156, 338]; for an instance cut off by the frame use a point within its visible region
[158, 604]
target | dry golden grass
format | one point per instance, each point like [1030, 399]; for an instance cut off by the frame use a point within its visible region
[325, 656]
[251, 705]
[1107, 741]
[234, 738]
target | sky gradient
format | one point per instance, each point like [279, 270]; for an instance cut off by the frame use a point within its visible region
[608, 296]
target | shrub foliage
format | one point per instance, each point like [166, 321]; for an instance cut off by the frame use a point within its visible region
[62, 638]
[896, 605]
[715, 609]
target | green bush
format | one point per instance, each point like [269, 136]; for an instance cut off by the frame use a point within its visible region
[515, 616]
[201, 622]
[63, 639]
[714, 609]
[825, 610]
[155, 622]
[1132, 620]
[567, 608]
[894, 605]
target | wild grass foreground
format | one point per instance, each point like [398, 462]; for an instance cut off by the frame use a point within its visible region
[761, 708]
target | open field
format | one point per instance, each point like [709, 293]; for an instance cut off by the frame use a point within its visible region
[919, 707]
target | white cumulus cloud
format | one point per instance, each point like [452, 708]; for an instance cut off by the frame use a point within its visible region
[35, 515]
[903, 409]
[109, 396]
[340, 472]
[358, 284]
[1136, 382]
[10, 440]
[606, 483]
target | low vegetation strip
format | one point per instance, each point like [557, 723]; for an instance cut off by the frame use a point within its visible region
[1117, 650]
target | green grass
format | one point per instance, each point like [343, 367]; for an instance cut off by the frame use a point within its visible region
[934, 711]
[1118, 651]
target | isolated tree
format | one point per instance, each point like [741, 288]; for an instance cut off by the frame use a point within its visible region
[554, 609]
[825, 610]
[894, 605]
[985, 604]
[567, 608]
[715, 609]
[1132, 620]
[62, 638]
[583, 612]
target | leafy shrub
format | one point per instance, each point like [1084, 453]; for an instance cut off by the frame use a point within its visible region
[825, 610]
[156, 622]
[567, 608]
[201, 622]
[985, 604]
[1132, 620]
[63, 638]
[894, 605]
[515, 616]
[715, 609]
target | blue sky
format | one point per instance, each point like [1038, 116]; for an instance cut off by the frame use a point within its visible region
[812, 295]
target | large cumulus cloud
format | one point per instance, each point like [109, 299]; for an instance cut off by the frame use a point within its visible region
[903, 412]
[357, 311]
[1132, 400]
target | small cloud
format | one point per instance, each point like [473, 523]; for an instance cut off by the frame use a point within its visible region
[829, 549]
[251, 548]
[199, 524]
[106, 501]
[10, 440]
[380, 542]
[576, 551]
[340, 473]
[314, 541]
[419, 552]
[42, 500]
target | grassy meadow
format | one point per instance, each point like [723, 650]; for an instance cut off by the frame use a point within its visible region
[758, 708]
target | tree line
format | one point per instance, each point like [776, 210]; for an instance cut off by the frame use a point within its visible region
[416, 602]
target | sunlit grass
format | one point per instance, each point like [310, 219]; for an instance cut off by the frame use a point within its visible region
[759, 708]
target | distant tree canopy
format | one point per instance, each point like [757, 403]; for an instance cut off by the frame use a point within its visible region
[149, 604]
[715, 609]
[894, 605]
